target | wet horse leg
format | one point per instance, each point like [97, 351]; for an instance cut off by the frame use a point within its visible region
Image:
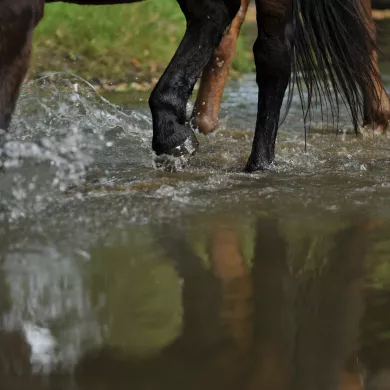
[17, 21]
[376, 113]
[207, 21]
[273, 69]
[207, 105]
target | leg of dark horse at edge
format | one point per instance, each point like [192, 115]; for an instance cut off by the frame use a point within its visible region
[273, 69]
[17, 21]
[207, 21]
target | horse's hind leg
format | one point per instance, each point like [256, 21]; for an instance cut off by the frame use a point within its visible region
[207, 21]
[273, 69]
[376, 112]
[207, 105]
[17, 21]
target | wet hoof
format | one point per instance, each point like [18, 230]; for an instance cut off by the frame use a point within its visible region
[379, 122]
[375, 128]
[187, 148]
[251, 168]
[178, 145]
[175, 159]
[256, 164]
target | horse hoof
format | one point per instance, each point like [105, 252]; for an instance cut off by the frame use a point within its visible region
[176, 158]
[181, 143]
[256, 164]
[187, 148]
[251, 168]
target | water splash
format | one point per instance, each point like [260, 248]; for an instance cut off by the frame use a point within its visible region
[66, 128]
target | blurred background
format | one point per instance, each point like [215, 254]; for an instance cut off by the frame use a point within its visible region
[127, 48]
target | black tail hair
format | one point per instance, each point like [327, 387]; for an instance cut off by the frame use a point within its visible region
[331, 49]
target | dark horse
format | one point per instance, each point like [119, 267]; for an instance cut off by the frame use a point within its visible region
[329, 41]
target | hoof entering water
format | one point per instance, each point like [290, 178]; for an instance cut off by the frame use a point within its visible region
[176, 159]
[250, 168]
[188, 148]
[255, 165]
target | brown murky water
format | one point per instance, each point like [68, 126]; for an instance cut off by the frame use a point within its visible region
[117, 275]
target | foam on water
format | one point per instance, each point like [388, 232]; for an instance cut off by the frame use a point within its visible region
[65, 135]
[61, 129]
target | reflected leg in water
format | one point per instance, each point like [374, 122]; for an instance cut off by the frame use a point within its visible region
[208, 101]
[201, 299]
[17, 21]
[329, 308]
[229, 266]
[309, 304]
[217, 333]
[273, 317]
[374, 353]
[208, 352]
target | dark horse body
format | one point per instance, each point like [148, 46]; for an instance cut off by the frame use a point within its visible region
[330, 40]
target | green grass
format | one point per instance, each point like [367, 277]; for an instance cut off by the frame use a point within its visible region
[117, 42]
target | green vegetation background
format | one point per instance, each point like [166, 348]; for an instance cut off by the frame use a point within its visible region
[119, 43]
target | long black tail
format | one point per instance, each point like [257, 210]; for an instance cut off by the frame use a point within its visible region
[331, 50]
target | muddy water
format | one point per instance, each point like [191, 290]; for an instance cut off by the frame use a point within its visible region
[116, 274]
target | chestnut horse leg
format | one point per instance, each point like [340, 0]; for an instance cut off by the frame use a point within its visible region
[206, 110]
[17, 21]
[377, 113]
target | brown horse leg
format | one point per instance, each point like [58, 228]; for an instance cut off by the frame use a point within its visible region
[207, 105]
[376, 113]
[17, 21]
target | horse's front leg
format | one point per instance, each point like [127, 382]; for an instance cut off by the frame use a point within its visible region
[207, 105]
[17, 21]
[272, 54]
[376, 111]
[207, 21]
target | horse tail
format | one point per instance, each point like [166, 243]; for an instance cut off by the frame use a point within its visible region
[333, 43]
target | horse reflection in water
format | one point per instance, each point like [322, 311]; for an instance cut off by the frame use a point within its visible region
[275, 316]
[275, 327]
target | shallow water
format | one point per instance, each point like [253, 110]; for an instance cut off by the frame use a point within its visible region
[115, 274]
